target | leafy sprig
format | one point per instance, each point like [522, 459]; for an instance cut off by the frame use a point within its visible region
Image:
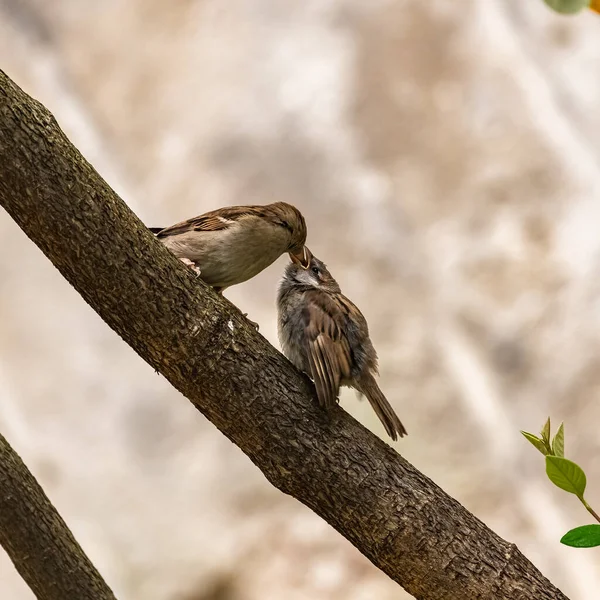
[570, 7]
[568, 476]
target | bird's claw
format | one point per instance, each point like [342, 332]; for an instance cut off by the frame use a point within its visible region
[192, 265]
[255, 325]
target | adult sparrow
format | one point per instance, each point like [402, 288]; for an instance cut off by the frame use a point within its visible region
[233, 244]
[327, 337]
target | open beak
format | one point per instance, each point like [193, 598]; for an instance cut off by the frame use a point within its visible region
[303, 258]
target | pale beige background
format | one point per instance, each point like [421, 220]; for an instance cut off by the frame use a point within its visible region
[446, 156]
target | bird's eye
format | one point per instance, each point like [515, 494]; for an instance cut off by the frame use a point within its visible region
[315, 270]
[284, 224]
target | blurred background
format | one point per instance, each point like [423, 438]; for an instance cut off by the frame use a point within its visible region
[446, 158]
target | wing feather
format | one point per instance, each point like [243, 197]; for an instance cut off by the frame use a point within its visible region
[216, 220]
[328, 350]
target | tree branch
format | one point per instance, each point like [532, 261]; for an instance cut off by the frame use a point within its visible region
[405, 524]
[38, 541]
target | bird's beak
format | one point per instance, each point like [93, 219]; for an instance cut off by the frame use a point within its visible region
[303, 258]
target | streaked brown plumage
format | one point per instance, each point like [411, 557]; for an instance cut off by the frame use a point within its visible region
[233, 244]
[327, 337]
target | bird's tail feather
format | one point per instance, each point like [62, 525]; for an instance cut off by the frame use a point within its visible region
[382, 408]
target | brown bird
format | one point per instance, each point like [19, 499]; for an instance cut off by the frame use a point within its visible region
[327, 337]
[233, 244]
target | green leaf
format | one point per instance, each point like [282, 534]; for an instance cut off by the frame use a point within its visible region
[558, 443]
[566, 475]
[545, 433]
[536, 441]
[567, 7]
[586, 536]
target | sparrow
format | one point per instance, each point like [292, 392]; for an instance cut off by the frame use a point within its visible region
[325, 335]
[233, 244]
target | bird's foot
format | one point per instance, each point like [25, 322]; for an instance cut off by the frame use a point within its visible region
[255, 325]
[192, 265]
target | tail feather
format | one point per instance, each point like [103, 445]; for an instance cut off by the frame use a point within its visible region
[155, 229]
[382, 408]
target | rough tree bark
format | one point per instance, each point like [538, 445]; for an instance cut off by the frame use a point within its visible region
[38, 541]
[404, 523]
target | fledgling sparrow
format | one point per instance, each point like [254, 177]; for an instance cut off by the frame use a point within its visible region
[234, 243]
[327, 337]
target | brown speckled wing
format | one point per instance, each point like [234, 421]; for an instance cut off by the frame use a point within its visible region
[216, 220]
[328, 350]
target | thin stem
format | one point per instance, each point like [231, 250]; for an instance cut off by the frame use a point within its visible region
[590, 510]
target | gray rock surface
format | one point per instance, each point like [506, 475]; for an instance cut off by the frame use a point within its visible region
[446, 157]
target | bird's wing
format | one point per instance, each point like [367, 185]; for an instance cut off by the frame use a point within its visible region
[328, 349]
[216, 220]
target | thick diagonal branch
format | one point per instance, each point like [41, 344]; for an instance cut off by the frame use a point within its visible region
[397, 517]
[37, 540]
